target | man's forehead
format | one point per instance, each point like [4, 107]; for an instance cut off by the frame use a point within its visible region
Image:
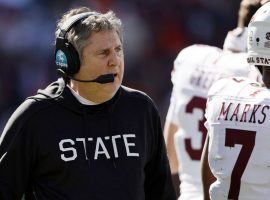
[105, 39]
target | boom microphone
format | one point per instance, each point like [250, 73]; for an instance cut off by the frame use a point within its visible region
[102, 79]
[105, 78]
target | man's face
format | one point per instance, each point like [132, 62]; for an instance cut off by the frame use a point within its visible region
[102, 55]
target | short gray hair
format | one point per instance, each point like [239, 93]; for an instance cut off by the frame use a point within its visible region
[96, 22]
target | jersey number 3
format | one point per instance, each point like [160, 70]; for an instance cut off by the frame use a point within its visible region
[199, 103]
[247, 140]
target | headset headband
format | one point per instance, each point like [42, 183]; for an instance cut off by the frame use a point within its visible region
[71, 21]
[67, 58]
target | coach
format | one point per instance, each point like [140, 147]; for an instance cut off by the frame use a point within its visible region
[86, 137]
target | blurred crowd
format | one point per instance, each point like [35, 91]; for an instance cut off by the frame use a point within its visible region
[155, 32]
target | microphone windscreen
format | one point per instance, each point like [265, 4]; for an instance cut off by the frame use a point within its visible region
[106, 78]
[102, 79]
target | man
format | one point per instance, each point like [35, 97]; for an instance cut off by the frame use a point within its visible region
[238, 111]
[86, 137]
[195, 69]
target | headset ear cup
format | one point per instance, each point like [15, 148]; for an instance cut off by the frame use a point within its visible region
[74, 60]
[66, 57]
[61, 55]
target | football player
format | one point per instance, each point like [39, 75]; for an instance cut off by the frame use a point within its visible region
[238, 122]
[195, 69]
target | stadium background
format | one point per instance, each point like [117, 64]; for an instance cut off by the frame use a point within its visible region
[155, 32]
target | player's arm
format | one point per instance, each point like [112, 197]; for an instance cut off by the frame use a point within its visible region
[207, 176]
[169, 131]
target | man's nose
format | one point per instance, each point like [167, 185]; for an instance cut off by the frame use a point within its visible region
[114, 59]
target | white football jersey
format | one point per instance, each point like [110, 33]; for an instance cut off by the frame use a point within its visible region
[238, 124]
[195, 69]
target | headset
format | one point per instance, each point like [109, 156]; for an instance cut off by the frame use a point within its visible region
[67, 58]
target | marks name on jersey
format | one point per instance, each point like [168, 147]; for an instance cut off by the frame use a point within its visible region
[243, 112]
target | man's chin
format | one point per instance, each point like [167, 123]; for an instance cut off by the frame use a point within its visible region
[111, 87]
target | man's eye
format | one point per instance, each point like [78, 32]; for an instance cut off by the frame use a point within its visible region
[103, 53]
[118, 49]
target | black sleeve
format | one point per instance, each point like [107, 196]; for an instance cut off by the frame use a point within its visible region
[176, 183]
[15, 156]
[158, 183]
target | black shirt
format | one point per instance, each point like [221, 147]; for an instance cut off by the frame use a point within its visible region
[60, 149]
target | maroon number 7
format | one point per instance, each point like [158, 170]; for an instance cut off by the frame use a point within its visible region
[247, 140]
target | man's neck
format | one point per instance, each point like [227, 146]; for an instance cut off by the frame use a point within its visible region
[91, 91]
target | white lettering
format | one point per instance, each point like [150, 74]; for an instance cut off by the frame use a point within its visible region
[127, 145]
[114, 145]
[84, 146]
[62, 148]
[69, 151]
[104, 151]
